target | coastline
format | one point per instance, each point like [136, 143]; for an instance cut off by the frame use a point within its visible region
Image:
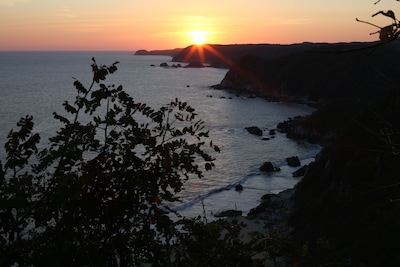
[272, 215]
[270, 223]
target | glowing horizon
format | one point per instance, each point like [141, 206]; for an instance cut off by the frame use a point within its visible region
[128, 26]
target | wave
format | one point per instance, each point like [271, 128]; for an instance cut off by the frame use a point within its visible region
[286, 171]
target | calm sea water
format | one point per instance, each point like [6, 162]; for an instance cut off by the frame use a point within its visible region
[37, 83]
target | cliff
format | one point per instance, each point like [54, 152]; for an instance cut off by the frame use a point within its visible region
[318, 73]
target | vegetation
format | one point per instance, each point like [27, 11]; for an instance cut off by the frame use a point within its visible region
[97, 194]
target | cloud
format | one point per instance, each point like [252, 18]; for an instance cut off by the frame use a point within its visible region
[12, 2]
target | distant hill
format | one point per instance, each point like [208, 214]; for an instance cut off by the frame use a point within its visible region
[166, 52]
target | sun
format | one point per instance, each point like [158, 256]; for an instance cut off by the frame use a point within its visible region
[198, 37]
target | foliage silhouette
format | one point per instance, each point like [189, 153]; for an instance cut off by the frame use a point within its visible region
[387, 33]
[97, 194]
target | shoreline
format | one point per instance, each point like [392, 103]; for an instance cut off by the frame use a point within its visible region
[272, 222]
[271, 215]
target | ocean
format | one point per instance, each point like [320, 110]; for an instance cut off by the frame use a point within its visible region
[37, 83]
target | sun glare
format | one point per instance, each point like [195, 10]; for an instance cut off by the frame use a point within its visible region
[198, 37]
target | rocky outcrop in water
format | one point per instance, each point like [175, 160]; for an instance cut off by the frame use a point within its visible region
[254, 130]
[303, 129]
[195, 64]
[269, 167]
[293, 161]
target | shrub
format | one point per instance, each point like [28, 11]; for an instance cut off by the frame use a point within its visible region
[97, 194]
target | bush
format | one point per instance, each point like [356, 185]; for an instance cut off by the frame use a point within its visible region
[97, 194]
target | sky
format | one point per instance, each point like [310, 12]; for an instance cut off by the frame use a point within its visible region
[129, 25]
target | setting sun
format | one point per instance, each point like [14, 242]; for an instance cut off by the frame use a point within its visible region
[125, 25]
[198, 37]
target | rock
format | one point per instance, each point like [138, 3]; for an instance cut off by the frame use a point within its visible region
[195, 65]
[302, 128]
[229, 213]
[260, 208]
[239, 187]
[300, 172]
[270, 201]
[164, 64]
[254, 130]
[267, 196]
[217, 87]
[175, 66]
[272, 132]
[293, 161]
[268, 167]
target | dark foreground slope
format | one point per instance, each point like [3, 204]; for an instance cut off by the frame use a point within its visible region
[347, 206]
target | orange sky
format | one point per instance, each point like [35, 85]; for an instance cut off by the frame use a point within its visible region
[163, 24]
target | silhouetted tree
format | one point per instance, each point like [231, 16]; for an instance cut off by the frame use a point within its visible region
[97, 194]
[387, 33]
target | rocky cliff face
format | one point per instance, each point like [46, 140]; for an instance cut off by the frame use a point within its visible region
[318, 74]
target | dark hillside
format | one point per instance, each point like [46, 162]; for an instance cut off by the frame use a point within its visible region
[319, 74]
[347, 206]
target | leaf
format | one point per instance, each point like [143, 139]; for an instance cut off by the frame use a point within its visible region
[61, 118]
[69, 108]
[208, 166]
[79, 87]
